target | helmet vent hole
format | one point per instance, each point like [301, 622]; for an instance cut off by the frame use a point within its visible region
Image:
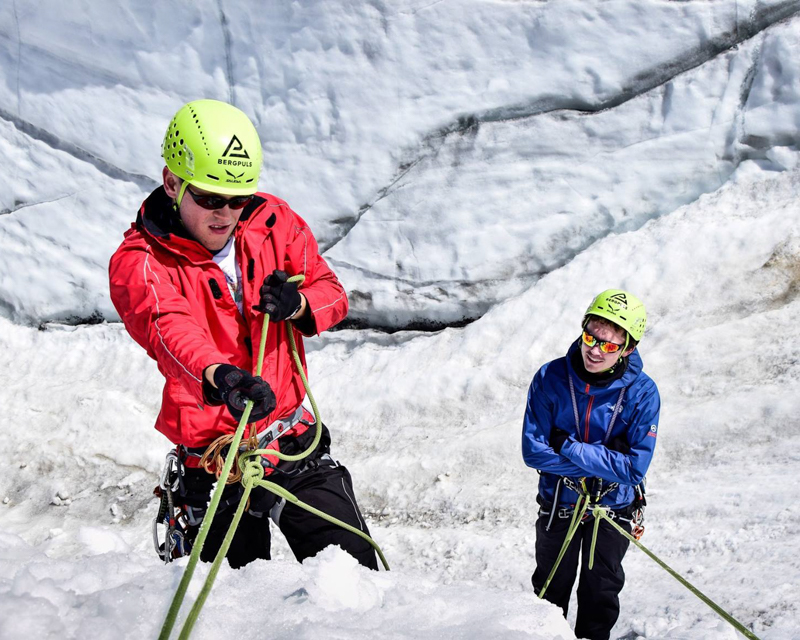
[208, 175]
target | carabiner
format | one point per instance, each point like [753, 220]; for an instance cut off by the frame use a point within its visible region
[172, 465]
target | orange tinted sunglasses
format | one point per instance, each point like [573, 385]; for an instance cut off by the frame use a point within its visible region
[606, 347]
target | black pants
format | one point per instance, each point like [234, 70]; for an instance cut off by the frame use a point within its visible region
[598, 589]
[325, 485]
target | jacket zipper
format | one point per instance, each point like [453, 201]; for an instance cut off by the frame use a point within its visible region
[588, 413]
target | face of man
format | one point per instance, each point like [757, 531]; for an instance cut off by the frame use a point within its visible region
[210, 227]
[594, 360]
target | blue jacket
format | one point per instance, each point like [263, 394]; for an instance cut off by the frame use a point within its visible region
[584, 453]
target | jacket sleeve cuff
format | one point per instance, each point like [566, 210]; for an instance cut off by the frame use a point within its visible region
[211, 394]
[306, 325]
[324, 312]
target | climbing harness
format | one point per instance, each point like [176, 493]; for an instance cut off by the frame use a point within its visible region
[212, 457]
[279, 428]
[194, 455]
[599, 487]
[586, 507]
[599, 490]
[251, 471]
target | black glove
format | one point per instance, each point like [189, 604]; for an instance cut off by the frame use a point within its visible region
[557, 438]
[279, 298]
[619, 443]
[236, 387]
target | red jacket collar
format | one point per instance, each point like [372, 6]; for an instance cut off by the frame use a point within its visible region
[158, 222]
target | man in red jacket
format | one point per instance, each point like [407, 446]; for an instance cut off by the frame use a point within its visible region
[205, 259]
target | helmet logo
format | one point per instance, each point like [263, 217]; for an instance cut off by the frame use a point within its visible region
[237, 151]
[619, 299]
[234, 178]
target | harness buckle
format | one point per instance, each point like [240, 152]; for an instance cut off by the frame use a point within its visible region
[279, 427]
[593, 488]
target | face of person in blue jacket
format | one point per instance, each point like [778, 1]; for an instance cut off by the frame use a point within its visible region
[209, 227]
[594, 360]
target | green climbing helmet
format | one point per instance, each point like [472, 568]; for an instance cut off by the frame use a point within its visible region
[214, 146]
[622, 308]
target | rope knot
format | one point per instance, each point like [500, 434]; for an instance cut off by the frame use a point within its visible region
[252, 472]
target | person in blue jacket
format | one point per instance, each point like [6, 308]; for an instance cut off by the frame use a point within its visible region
[591, 426]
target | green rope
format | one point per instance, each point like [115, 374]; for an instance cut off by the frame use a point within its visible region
[594, 542]
[283, 493]
[177, 599]
[188, 625]
[252, 474]
[577, 516]
[602, 513]
[317, 436]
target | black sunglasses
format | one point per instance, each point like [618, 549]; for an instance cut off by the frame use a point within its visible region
[217, 202]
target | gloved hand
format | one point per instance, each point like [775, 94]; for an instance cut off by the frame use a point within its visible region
[619, 443]
[557, 438]
[236, 387]
[279, 298]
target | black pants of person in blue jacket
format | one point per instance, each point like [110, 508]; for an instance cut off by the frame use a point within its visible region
[598, 588]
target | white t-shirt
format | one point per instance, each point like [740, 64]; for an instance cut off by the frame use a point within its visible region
[226, 259]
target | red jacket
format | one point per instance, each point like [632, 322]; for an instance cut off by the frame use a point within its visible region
[175, 303]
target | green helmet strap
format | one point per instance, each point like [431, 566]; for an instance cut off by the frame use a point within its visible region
[181, 193]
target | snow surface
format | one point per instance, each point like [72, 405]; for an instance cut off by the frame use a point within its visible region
[502, 161]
